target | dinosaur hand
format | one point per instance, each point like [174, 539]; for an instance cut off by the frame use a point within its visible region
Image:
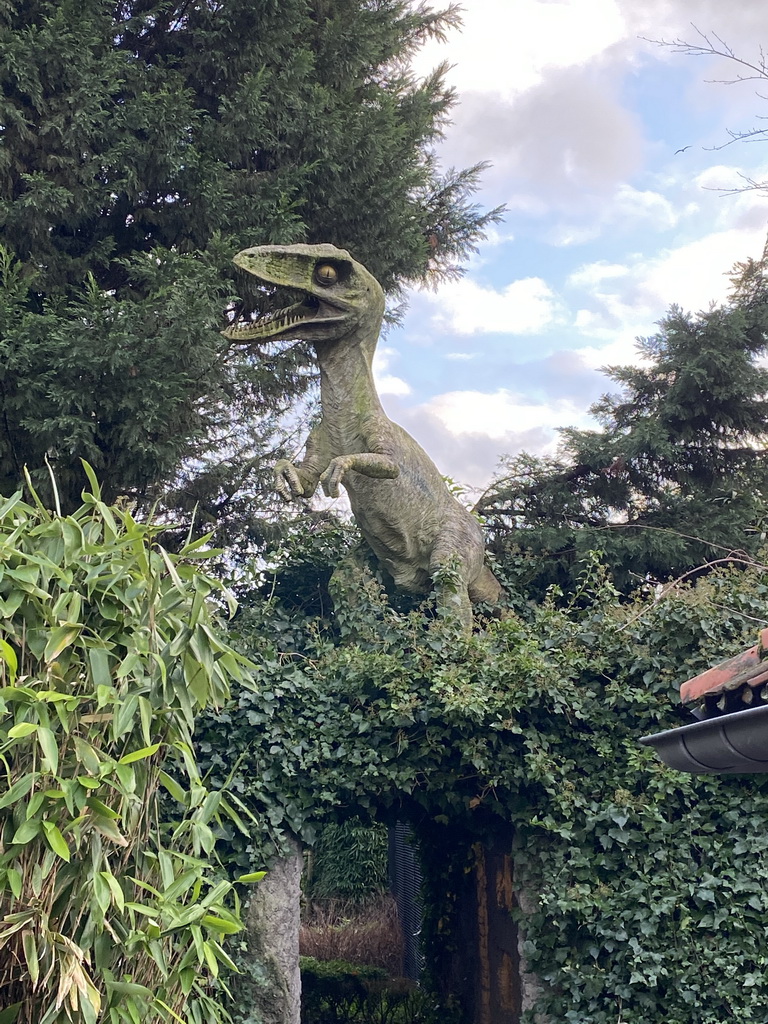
[287, 481]
[334, 474]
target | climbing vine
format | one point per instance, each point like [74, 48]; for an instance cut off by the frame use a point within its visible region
[650, 896]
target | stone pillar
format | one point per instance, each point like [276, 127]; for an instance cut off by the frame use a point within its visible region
[528, 901]
[269, 989]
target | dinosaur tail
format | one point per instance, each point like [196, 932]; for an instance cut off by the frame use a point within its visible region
[485, 587]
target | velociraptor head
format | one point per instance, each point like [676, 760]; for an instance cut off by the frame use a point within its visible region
[336, 295]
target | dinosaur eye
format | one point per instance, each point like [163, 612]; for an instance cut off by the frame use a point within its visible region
[326, 274]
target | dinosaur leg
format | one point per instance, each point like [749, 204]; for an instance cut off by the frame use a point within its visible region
[449, 575]
[353, 587]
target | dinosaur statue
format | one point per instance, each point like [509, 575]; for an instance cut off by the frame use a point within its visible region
[418, 531]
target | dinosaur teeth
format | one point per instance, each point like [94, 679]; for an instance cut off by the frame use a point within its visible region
[274, 322]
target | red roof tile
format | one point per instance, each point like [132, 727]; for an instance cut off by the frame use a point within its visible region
[749, 667]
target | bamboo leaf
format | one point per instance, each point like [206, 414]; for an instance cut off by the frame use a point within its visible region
[253, 876]
[138, 755]
[49, 748]
[61, 637]
[92, 479]
[210, 958]
[87, 756]
[87, 782]
[145, 710]
[102, 893]
[19, 789]
[127, 988]
[26, 832]
[15, 880]
[98, 659]
[20, 693]
[92, 1000]
[173, 1013]
[193, 545]
[109, 830]
[172, 570]
[209, 807]
[8, 656]
[30, 955]
[174, 788]
[127, 665]
[101, 808]
[53, 696]
[223, 956]
[21, 730]
[114, 886]
[219, 924]
[10, 1014]
[124, 716]
[56, 840]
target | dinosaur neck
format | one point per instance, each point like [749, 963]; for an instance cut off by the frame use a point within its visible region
[346, 375]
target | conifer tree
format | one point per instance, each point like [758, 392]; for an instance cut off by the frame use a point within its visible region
[142, 143]
[676, 476]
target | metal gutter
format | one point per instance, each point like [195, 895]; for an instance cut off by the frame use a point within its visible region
[732, 735]
[717, 746]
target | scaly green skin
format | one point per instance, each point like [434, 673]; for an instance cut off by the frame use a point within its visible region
[418, 531]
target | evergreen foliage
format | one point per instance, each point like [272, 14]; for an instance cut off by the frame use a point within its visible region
[333, 991]
[143, 144]
[677, 475]
[349, 862]
[111, 909]
[653, 902]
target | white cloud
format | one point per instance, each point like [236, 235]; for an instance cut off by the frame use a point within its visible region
[507, 47]
[466, 432]
[498, 414]
[635, 295]
[557, 141]
[591, 274]
[387, 383]
[459, 356]
[627, 210]
[496, 236]
[646, 206]
[696, 274]
[620, 351]
[720, 177]
[526, 306]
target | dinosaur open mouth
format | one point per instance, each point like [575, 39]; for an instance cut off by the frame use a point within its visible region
[278, 321]
[274, 322]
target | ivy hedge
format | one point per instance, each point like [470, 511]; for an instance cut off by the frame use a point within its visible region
[652, 898]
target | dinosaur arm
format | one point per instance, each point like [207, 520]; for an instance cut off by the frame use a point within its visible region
[381, 467]
[300, 480]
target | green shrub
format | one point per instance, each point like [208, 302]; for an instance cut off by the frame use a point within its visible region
[109, 910]
[337, 992]
[647, 900]
[349, 861]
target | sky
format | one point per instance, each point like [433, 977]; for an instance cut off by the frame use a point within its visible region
[581, 116]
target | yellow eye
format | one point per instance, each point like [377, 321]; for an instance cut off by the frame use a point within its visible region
[326, 274]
